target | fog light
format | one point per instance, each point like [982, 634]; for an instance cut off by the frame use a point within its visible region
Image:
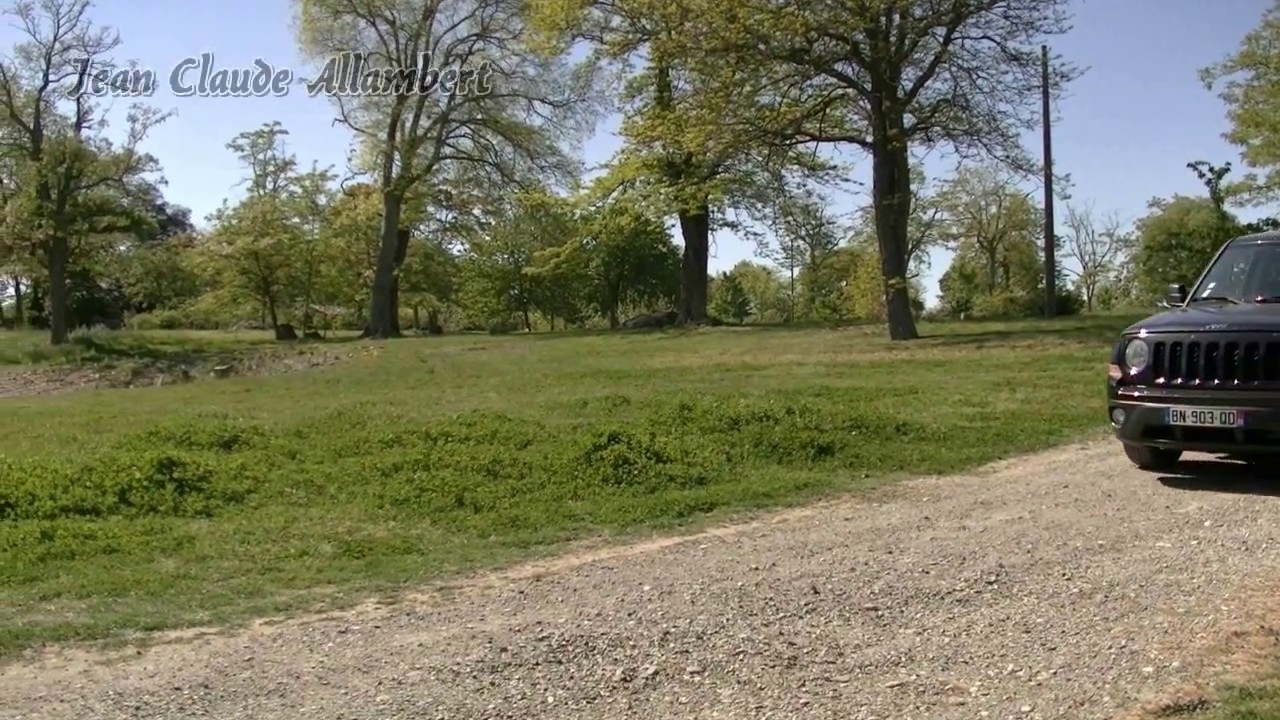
[1117, 416]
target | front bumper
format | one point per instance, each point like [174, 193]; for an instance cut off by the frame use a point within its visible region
[1145, 421]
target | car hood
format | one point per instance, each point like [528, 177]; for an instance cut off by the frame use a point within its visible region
[1213, 317]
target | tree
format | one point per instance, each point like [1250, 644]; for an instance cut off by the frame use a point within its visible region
[160, 275]
[625, 256]
[925, 225]
[888, 75]
[72, 182]
[807, 235]
[730, 299]
[986, 216]
[352, 239]
[1248, 82]
[1097, 245]
[486, 102]
[699, 150]
[272, 169]
[769, 298]
[309, 203]
[1176, 240]
[502, 264]
[254, 249]
[263, 247]
[994, 230]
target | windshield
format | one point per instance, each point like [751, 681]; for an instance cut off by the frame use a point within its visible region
[1245, 273]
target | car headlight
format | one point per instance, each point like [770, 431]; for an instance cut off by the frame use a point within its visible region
[1136, 355]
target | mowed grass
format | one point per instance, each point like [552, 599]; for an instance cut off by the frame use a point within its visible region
[220, 500]
[1259, 701]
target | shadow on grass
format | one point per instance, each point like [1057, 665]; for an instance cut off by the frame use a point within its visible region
[1222, 476]
[1082, 328]
[1101, 329]
[675, 331]
[94, 349]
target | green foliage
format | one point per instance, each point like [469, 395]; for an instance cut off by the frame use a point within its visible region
[1176, 240]
[1248, 81]
[768, 297]
[137, 481]
[629, 260]
[996, 235]
[729, 298]
[67, 190]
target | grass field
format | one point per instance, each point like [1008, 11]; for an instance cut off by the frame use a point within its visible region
[1260, 701]
[219, 500]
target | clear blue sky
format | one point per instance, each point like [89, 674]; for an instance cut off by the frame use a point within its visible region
[1127, 130]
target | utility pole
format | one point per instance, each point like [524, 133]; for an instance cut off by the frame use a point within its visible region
[1050, 263]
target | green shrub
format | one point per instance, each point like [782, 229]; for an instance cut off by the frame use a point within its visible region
[642, 460]
[121, 484]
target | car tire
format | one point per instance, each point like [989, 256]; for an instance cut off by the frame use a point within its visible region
[1152, 458]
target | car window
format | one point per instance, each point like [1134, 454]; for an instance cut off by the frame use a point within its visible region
[1243, 272]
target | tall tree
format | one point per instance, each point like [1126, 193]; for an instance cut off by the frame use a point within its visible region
[254, 250]
[925, 224]
[73, 182]
[1248, 82]
[1176, 240]
[1097, 245]
[310, 201]
[623, 255]
[887, 75]
[986, 215]
[444, 82]
[807, 234]
[701, 149]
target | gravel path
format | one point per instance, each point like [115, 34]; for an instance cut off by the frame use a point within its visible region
[1063, 585]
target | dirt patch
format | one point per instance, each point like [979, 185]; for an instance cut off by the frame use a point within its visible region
[32, 381]
[19, 382]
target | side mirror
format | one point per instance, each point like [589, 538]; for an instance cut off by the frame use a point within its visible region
[1177, 295]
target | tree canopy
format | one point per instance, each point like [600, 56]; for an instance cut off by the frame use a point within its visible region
[465, 203]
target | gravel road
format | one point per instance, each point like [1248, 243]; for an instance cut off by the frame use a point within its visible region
[1062, 585]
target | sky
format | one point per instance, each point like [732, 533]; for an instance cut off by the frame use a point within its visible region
[1125, 131]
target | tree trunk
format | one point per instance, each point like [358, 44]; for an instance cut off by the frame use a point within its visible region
[528, 327]
[993, 269]
[416, 325]
[695, 228]
[395, 306]
[18, 299]
[402, 250]
[306, 302]
[272, 314]
[382, 296]
[615, 297]
[891, 195]
[58, 257]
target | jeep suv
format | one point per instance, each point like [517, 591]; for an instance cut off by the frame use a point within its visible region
[1204, 375]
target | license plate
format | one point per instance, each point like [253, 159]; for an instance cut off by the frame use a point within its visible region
[1204, 417]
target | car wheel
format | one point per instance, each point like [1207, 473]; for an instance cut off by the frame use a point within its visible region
[1151, 458]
